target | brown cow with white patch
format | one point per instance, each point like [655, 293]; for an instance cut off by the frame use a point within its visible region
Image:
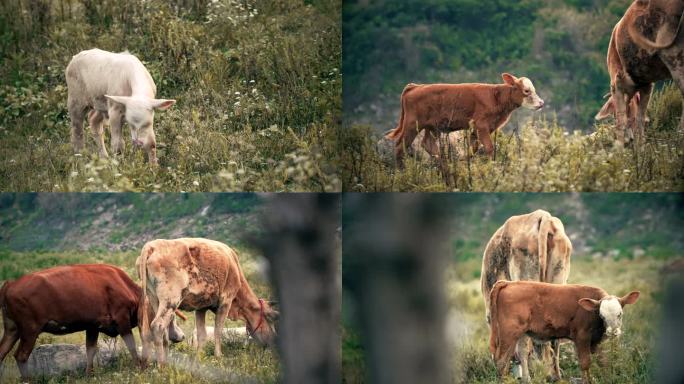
[196, 274]
[91, 297]
[530, 247]
[545, 311]
[635, 62]
[440, 108]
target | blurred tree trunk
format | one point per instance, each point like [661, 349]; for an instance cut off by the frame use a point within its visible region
[301, 244]
[393, 265]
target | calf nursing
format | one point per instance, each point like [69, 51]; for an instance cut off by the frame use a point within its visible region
[116, 86]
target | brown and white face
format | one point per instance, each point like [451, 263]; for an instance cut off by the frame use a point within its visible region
[610, 308]
[525, 91]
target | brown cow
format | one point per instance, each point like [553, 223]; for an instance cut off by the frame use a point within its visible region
[453, 107]
[198, 275]
[531, 247]
[635, 62]
[546, 311]
[91, 297]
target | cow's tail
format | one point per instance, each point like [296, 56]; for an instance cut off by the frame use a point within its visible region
[3, 293]
[642, 41]
[545, 229]
[494, 318]
[143, 315]
[398, 132]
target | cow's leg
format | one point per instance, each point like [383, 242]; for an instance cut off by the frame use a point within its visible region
[504, 351]
[96, 121]
[484, 137]
[641, 108]
[129, 340]
[159, 329]
[221, 314]
[116, 112]
[556, 374]
[200, 324]
[403, 143]
[672, 59]
[150, 147]
[584, 356]
[9, 338]
[21, 355]
[91, 349]
[76, 115]
[523, 352]
[620, 99]
[474, 143]
[431, 145]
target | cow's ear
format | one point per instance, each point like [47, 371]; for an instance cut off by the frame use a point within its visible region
[629, 298]
[508, 78]
[590, 305]
[606, 111]
[162, 104]
[272, 315]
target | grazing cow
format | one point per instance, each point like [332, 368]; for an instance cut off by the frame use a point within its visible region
[440, 108]
[92, 297]
[199, 275]
[635, 62]
[531, 247]
[114, 86]
[545, 311]
[608, 110]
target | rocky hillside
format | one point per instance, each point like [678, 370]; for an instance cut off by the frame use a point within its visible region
[121, 222]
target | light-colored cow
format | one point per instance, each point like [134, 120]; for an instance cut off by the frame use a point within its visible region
[114, 86]
[196, 274]
[531, 247]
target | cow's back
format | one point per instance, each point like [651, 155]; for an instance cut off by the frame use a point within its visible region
[442, 106]
[72, 296]
[94, 73]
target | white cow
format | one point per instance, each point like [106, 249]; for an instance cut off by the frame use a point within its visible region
[114, 85]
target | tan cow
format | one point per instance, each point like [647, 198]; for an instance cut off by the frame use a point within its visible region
[196, 274]
[531, 247]
[580, 313]
[440, 108]
[635, 62]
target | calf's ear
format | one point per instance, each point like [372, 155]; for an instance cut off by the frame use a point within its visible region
[508, 78]
[590, 305]
[162, 104]
[606, 111]
[629, 298]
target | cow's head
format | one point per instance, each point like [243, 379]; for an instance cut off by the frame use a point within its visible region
[523, 91]
[140, 117]
[176, 334]
[610, 310]
[260, 319]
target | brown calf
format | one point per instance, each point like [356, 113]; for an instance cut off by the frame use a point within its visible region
[546, 311]
[440, 108]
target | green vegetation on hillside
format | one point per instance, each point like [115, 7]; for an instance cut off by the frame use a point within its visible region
[257, 85]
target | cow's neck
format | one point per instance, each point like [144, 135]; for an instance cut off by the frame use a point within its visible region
[248, 302]
[141, 87]
[505, 101]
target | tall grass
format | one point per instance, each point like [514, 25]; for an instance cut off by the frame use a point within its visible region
[540, 156]
[257, 83]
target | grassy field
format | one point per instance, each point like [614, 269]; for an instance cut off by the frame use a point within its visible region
[631, 358]
[257, 84]
[541, 156]
[239, 363]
